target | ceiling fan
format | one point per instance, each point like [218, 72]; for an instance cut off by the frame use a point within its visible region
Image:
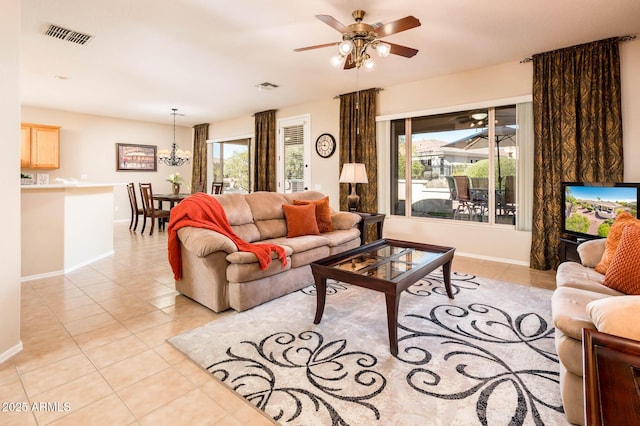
[474, 118]
[357, 37]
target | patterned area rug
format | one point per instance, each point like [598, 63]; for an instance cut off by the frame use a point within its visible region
[485, 358]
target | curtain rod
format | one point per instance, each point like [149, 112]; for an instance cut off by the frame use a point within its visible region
[620, 39]
[377, 89]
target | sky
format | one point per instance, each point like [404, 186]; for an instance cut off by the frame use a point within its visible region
[606, 193]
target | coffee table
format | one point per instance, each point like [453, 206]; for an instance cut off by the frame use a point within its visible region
[388, 266]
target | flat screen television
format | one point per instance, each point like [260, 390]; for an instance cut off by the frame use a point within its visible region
[590, 208]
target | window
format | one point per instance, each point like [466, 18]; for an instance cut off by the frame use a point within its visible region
[231, 165]
[293, 155]
[456, 166]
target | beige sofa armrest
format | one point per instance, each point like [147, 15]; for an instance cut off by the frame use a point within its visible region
[202, 242]
[616, 315]
[591, 252]
[344, 220]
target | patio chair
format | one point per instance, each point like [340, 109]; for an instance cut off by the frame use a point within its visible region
[465, 202]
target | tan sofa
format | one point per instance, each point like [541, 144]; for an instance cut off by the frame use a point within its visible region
[217, 275]
[582, 301]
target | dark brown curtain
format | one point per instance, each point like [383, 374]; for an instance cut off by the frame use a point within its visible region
[358, 145]
[199, 169]
[578, 133]
[266, 147]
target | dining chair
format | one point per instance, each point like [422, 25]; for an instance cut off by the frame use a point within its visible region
[150, 211]
[216, 187]
[135, 210]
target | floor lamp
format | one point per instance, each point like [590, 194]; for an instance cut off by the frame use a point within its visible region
[353, 173]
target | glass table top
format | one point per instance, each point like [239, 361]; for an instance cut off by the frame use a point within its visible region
[386, 262]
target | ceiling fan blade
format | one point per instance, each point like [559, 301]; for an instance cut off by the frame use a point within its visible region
[317, 46]
[400, 25]
[332, 22]
[407, 52]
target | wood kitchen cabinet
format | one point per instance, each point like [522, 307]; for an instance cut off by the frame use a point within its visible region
[39, 146]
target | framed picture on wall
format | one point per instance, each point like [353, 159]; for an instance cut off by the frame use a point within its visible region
[137, 158]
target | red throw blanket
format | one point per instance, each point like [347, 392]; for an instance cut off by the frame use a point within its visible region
[204, 211]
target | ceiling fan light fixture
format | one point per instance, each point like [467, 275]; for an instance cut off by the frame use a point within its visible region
[383, 49]
[368, 63]
[345, 47]
[479, 116]
[337, 60]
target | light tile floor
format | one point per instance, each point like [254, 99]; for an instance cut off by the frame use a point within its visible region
[95, 344]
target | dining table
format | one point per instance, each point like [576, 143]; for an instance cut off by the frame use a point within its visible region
[172, 199]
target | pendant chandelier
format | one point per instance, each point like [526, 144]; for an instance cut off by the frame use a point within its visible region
[175, 157]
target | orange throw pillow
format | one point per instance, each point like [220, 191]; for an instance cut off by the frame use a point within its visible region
[623, 273]
[615, 233]
[323, 212]
[301, 220]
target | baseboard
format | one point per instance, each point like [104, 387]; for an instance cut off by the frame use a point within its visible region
[10, 352]
[67, 270]
[39, 276]
[88, 261]
[493, 259]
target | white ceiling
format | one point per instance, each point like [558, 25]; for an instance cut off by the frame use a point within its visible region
[205, 57]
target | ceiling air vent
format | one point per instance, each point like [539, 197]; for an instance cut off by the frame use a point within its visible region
[61, 33]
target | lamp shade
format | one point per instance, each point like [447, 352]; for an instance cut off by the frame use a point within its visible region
[353, 173]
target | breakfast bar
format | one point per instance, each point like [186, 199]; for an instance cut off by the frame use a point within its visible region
[65, 226]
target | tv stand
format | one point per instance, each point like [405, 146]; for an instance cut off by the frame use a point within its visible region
[569, 249]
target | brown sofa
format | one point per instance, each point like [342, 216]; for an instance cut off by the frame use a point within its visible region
[582, 301]
[217, 275]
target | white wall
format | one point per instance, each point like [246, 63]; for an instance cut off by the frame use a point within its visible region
[630, 76]
[88, 146]
[325, 117]
[9, 175]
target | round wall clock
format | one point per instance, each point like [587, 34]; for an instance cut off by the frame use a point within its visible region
[325, 145]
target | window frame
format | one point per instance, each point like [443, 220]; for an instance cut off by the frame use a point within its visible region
[392, 182]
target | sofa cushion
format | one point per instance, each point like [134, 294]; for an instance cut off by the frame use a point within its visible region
[249, 257]
[323, 212]
[337, 238]
[243, 272]
[623, 273]
[308, 256]
[301, 220]
[572, 274]
[236, 208]
[266, 208]
[239, 215]
[248, 232]
[266, 205]
[568, 307]
[301, 243]
[613, 239]
[616, 315]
